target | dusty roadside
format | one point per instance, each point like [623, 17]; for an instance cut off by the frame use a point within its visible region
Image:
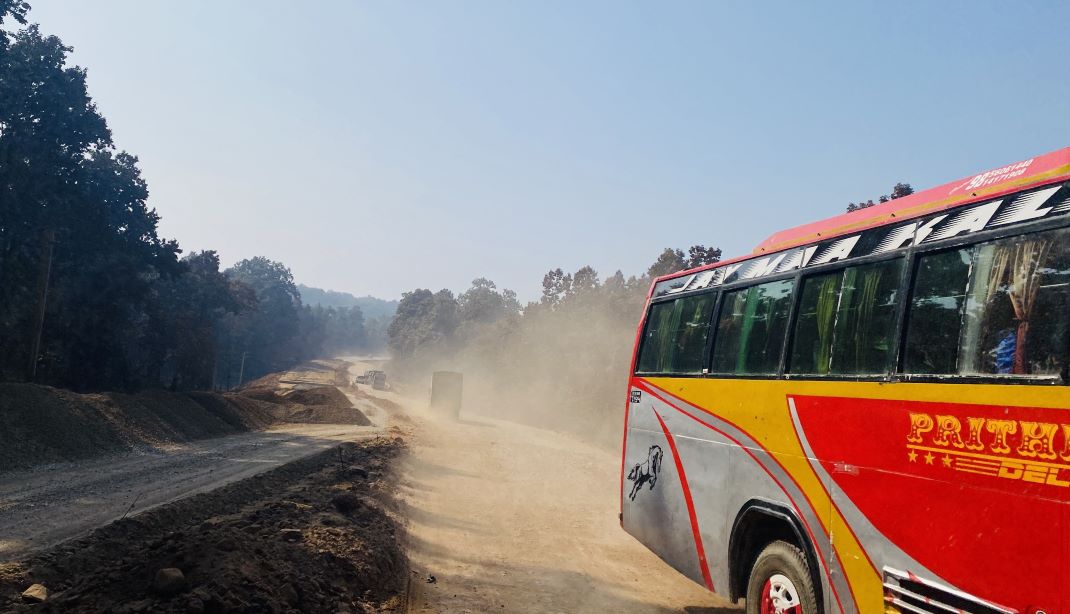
[45, 504]
[510, 518]
[315, 535]
[502, 517]
[49, 504]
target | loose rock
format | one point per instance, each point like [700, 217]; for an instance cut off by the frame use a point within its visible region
[37, 593]
[346, 502]
[169, 581]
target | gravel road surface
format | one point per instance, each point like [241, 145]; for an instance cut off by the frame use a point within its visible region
[52, 503]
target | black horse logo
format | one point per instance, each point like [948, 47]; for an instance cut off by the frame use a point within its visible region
[646, 471]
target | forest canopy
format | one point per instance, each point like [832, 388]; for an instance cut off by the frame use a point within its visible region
[91, 296]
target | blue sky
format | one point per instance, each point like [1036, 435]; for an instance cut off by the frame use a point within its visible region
[376, 147]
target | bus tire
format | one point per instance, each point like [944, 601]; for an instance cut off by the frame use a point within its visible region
[781, 580]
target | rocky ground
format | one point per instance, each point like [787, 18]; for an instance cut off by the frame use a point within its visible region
[315, 535]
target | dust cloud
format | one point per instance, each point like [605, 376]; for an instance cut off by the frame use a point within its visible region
[561, 366]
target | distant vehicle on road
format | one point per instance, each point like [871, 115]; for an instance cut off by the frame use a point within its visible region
[868, 413]
[373, 378]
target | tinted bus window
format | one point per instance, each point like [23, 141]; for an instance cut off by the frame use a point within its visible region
[676, 334]
[997, 308]
[846, 322]
[656, 340]
[751, 329]
[932, 344]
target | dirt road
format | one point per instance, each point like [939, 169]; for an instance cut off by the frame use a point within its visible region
[516, 519]
[49, 504]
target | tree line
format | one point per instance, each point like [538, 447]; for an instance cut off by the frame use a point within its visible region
[91, 296]
[558, 362]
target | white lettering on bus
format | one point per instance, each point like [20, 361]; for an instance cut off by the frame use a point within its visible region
[732, 268]
[763, 267]
[970, 220]
[927, 228]
[897, 238]
[1026, 207]
[837, 251]
[995, 176]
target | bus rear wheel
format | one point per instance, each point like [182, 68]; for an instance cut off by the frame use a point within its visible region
[781, 582]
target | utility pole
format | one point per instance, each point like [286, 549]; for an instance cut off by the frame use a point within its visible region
[48, 238]
[241, 372]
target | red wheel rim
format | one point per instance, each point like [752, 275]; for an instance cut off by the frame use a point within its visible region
[767, 598]
[779, 596]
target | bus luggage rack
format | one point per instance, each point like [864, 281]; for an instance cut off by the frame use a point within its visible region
[909, 593]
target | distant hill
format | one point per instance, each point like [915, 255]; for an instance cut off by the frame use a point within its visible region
[371, 307]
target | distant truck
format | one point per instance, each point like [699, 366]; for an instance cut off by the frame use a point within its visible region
[373, 378]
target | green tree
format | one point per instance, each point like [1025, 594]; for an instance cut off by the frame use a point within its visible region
[700, 255]
[423, 320]
[188, 313]
[483, 302]
[670, 261]
[556, 285]
[898, 191]
[585, 281]
[268, 335]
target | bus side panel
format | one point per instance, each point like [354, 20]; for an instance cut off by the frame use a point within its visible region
[655, 507]
[762, 477]
[722, 479]
[926, 494]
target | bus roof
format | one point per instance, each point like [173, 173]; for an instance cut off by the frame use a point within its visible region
[1048, 168]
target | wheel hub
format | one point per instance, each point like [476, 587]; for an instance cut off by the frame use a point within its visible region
[779, 596]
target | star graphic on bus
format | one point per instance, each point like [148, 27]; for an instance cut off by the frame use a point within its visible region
[913, 456]
[947, 461]
[929, 458]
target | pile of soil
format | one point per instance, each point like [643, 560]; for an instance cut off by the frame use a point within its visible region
[41, 424]
[309, 405]
[315, 535]
[370, 403]
[322, 395]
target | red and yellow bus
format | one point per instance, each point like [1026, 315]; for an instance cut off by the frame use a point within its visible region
[868, 413]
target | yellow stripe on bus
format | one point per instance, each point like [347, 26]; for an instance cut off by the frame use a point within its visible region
[760, 409]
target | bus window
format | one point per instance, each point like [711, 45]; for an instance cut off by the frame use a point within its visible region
[751, 329]
[996, 308]
[654, 352]
[846, 321]
[932, 342]
[676, 334]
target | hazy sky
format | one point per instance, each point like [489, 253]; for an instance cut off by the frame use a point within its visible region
[375, 147]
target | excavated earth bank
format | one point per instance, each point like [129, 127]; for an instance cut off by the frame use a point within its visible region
[315, 535]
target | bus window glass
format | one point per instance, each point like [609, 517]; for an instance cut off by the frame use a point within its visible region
[1000, 309]
[811, 349]
[846, 321]
[865, 319]
[692, 332]
[751, 329]
[1015, 319]
[655, 352]
[936, 312]
[676, 334]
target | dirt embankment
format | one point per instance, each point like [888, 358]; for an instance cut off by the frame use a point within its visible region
[40, 424]
[316, 535]
[305, 404]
